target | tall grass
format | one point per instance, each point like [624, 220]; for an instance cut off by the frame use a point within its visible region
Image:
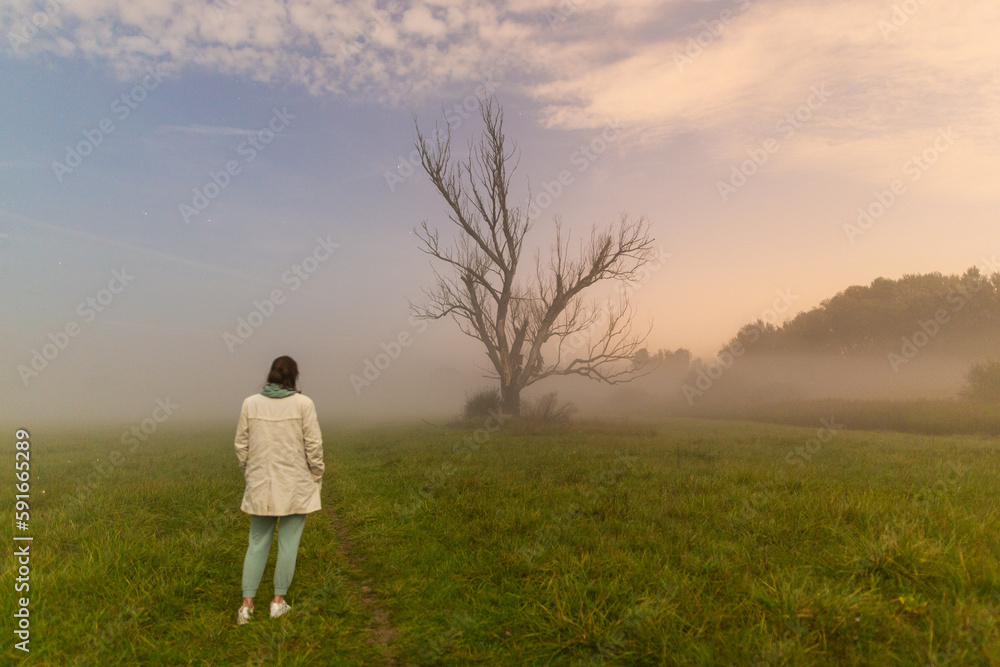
[668, 542]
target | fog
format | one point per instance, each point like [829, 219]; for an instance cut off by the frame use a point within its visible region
[429, 379]
[373, 360]
[147, 254]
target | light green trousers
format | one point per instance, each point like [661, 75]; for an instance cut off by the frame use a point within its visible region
[261, 534]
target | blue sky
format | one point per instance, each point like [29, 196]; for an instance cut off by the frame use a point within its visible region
[752, 135]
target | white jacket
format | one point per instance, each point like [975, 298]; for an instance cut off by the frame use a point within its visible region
[280, 450]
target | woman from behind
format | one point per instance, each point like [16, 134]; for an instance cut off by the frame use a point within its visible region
[280, 451]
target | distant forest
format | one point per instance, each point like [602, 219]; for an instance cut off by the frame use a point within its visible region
[957, 313]
[916, 337]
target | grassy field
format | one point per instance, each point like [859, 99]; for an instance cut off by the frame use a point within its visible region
[670, 542]
[929, 417]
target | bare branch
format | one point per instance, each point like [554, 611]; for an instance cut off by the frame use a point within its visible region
[512, 318]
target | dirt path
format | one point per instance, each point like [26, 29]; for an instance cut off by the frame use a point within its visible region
[383, 632]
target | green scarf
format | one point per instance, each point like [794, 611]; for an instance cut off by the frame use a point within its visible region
[272, 390]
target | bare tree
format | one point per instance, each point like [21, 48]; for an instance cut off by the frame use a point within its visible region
[517, 319]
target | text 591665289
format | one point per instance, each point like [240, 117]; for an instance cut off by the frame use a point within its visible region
[22, 541]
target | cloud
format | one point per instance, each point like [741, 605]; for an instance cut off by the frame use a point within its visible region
[726, 70]
[762, 63]
[894, 79]
[389, 53]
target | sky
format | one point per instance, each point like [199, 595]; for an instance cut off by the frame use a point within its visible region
[171, 170]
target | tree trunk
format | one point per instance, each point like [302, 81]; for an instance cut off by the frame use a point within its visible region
[511, 397]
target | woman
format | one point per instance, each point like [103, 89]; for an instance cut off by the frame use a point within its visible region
[280, 451]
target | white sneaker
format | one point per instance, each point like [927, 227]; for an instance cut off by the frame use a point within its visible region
[279, 609]
[243, 615]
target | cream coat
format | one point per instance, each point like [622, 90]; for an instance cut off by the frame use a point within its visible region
[280, 451]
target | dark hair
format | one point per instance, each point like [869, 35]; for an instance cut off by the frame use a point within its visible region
[285, 372]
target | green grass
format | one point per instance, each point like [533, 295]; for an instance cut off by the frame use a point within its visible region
[670, 542]
[930, 417]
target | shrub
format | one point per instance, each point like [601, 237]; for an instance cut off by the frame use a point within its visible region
[479, 403]
[548, 409]
[982, 382]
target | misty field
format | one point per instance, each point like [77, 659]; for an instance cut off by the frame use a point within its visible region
[668, 542]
